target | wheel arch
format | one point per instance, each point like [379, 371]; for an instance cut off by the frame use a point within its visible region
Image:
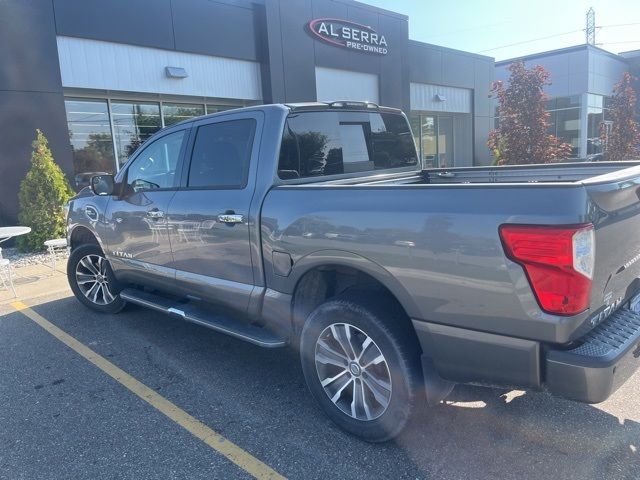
[81, 235]
[310, 290]
[320, 276]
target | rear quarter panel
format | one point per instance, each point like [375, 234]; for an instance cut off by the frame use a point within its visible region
[437, 246]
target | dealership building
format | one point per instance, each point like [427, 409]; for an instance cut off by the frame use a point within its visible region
[99, 77]
[582, 80]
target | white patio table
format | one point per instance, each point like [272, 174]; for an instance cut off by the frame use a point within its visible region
[9, 232]
[5, 267]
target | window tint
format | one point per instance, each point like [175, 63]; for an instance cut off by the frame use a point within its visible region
[155, 166]
[329, 143]
[221, 154]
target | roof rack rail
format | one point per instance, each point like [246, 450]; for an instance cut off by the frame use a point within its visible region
[339, 104]
[353, 104]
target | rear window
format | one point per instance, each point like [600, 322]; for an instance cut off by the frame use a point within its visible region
[331, 143]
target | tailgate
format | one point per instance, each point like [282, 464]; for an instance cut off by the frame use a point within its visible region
[615, 212]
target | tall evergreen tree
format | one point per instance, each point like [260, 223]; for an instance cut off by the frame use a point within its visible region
[43, 194]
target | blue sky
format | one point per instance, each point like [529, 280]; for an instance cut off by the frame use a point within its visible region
[481, 26]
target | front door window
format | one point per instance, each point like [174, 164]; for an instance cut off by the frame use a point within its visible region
[155, 166]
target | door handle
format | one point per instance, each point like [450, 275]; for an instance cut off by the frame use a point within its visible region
[230, 218]
[155, 213]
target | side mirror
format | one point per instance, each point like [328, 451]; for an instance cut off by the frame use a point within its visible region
[103, 184]
[83, 179]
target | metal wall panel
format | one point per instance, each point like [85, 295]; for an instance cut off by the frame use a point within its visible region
[102, 65]
[604, 72]
[214, 28]
[294, 54]
[333, 84]
[423, 97]
[30, 95]
[139, 22]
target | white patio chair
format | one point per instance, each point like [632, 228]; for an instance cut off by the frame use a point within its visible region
[6, 274]
[55, 247]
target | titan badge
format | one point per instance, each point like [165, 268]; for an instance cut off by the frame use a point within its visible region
[608, 310]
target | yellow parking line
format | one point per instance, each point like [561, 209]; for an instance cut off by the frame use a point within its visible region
[217, 442]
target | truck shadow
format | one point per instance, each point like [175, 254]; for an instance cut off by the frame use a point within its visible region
[495, 433]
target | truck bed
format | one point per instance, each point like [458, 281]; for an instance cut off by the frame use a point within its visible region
[558, 172]
[436, 233]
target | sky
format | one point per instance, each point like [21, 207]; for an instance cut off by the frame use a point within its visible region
[506, 29]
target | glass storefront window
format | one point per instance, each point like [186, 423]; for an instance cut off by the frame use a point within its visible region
[177, 112]
[90, 136]
[568, 128]
[429, 142]
[220, 108]
[133, 123]
[551, 119]
[595, 100]
[414, 121]
[568, 102]
[434, 135]
[564, 120]
[594, 120]
[445, 141]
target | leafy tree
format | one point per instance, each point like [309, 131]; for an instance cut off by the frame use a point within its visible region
[521, 136]
[623, 140]
[43, 193]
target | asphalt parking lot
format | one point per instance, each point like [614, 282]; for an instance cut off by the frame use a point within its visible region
[62, 416]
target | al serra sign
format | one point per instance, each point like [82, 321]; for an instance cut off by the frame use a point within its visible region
[346, 34]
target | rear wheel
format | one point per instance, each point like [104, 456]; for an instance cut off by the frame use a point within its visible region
[92, 281]
[362, 364]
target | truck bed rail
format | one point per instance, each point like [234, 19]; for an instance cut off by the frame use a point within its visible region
[554, 172]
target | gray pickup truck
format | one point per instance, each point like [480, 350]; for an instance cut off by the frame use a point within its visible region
[313, 225]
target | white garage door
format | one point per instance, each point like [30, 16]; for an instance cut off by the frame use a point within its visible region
[333, 84]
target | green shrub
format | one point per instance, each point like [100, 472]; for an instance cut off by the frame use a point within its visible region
[43, 194]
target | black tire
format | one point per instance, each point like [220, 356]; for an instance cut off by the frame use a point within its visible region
[104, 303]
[381, 319]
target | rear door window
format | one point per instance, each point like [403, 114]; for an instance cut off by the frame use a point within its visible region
[331, 143]
[221, 154]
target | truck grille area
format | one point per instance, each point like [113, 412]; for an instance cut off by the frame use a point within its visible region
[616, 333]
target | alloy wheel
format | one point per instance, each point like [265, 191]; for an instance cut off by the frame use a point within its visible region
[93, 281]
[353, 371]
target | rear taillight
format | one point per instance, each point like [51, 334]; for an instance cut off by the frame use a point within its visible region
[558, 262]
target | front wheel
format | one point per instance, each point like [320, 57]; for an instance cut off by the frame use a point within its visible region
[362, 364]
[92, 281]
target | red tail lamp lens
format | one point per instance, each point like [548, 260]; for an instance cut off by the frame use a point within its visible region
[558, 262]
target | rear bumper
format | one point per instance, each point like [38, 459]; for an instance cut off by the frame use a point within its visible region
[597, 366]
[606, 358]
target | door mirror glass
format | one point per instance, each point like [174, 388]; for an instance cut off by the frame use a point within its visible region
[103, 184]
